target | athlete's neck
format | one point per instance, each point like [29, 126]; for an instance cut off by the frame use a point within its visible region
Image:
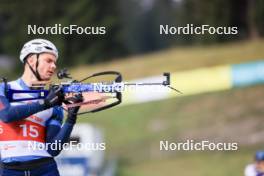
[29, 78]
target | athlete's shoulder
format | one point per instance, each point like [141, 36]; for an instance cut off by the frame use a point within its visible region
[15, 84]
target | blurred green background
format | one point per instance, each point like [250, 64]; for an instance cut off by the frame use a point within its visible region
[133, 46]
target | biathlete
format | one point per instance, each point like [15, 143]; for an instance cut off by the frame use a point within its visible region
[34, 123]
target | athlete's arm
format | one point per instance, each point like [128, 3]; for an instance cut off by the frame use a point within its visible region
[10, 113]
[56, 133]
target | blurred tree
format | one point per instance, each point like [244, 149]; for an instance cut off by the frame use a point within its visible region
[259, 16]
[141, 21]
[251, 19]
[74, 49]
[243, 14]
[132, 26]
[132, 16]
[208, 12]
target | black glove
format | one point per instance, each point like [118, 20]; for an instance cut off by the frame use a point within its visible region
[54, 98]
[72, 112]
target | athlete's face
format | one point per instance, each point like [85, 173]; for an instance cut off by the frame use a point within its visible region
[47, 65]
[260, 166]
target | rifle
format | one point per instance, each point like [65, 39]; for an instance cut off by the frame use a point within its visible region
[104, 90]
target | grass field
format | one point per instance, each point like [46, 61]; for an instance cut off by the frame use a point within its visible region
[133, 132]
[192, 164]
[176, 59]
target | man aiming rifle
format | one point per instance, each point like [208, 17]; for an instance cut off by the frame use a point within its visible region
[36, 121]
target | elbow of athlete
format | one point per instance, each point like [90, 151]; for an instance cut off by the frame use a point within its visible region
[54, 153]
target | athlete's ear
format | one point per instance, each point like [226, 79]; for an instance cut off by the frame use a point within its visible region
[31, 60]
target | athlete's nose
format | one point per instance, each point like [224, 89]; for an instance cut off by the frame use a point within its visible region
[53, 66]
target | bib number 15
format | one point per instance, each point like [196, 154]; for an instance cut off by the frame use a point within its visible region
[29, 130]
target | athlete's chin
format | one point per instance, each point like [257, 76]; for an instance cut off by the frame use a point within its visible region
[47, 77]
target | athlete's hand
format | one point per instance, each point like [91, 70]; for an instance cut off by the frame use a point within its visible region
[54, 98]
[73, 111]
